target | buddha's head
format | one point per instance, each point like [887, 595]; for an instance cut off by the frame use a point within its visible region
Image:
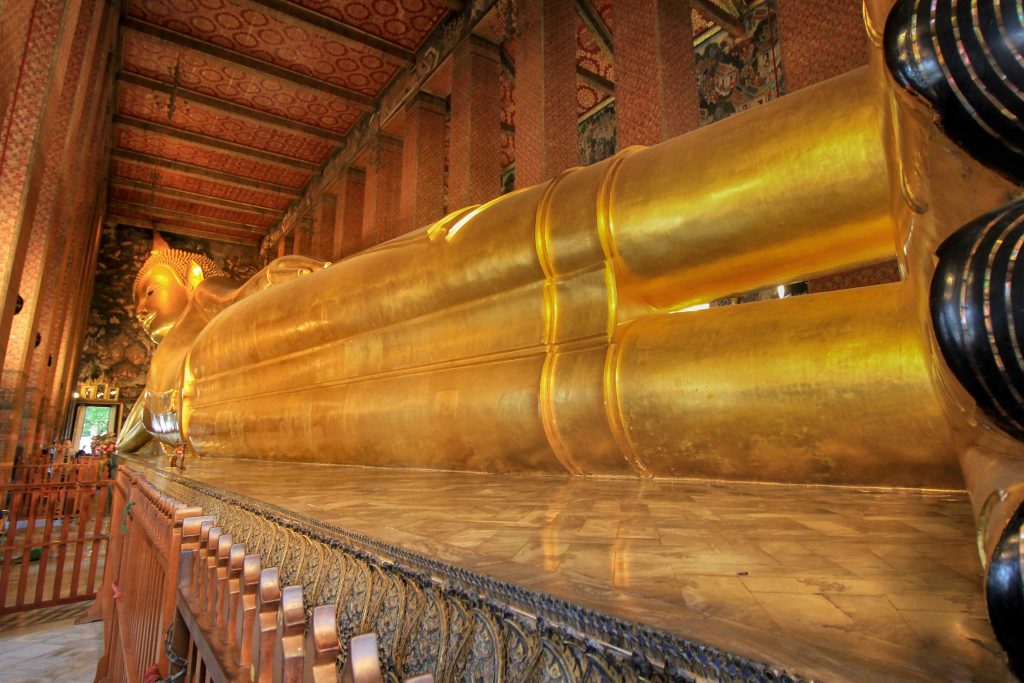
[164, 287]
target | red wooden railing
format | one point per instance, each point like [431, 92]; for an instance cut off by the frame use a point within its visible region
[137, 598]
[181, 598]
[52, 533]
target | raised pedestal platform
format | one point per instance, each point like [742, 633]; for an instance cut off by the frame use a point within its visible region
[823, 582]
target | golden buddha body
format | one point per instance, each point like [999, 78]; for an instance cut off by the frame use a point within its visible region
[547, 331]
[177, 294]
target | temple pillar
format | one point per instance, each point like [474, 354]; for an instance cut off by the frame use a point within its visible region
[28, 126]
[27, 359]
[820, 39]
[302, 235]
[474, 148]
[282, 246]
[349, 191]
[323, 226]
[655, 71]
[547, 137]
[78, 273]
[76, 215]
[422, 197]
[16, 18]
[383, 184]
[77, 316]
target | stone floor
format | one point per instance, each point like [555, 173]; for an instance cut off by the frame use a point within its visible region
[832, 583]
[45, 645]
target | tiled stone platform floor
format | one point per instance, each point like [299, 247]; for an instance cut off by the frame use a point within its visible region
[45, 645]
[831, 583]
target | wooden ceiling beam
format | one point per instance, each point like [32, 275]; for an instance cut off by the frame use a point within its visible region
[347, 31]
[208, 173]
[164, 226]
[231, 108]
[729, 22]
[215, 143]
[203, 199]
[158, 213]
[245, 61]
[592, 18]
[595, 79]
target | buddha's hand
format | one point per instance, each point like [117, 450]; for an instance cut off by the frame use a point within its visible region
[133, 434]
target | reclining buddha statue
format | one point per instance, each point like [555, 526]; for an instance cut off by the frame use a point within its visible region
[548, 330]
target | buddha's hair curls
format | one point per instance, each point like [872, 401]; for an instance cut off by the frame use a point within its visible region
[179, 262]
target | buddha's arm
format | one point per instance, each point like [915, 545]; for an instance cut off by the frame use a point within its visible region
[278, 271]
[520, 336]
[133, 435]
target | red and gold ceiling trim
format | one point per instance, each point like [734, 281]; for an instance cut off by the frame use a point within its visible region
[232, 116]
[226, 109]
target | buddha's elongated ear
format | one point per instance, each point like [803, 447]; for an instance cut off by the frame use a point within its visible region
[195, 275]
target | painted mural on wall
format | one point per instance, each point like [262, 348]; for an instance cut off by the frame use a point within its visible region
[597, 135]
[737, 73]
[115, 344]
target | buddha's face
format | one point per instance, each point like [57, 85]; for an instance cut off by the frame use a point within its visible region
[160, 299]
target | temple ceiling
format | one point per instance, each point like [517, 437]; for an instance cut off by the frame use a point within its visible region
[228, 111]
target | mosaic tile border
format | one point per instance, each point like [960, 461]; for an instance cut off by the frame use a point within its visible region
[499, 630]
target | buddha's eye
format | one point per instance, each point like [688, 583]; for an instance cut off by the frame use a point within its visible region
[149, 293]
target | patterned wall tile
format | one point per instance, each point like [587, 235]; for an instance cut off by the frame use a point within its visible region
[21, 126]
[821, 39]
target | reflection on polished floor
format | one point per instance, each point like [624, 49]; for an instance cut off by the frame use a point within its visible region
[830, 583]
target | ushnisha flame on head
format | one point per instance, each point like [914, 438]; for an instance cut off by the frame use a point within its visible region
[179, 261]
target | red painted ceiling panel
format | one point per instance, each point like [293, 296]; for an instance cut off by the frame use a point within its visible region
[700, 23]
[592, 54]
[159, 60]
[207, 157]
[272, 37]
[402, 22]
[163, 177]
[129, 212]
[588, 96]
[181, 205]
[149, 105]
